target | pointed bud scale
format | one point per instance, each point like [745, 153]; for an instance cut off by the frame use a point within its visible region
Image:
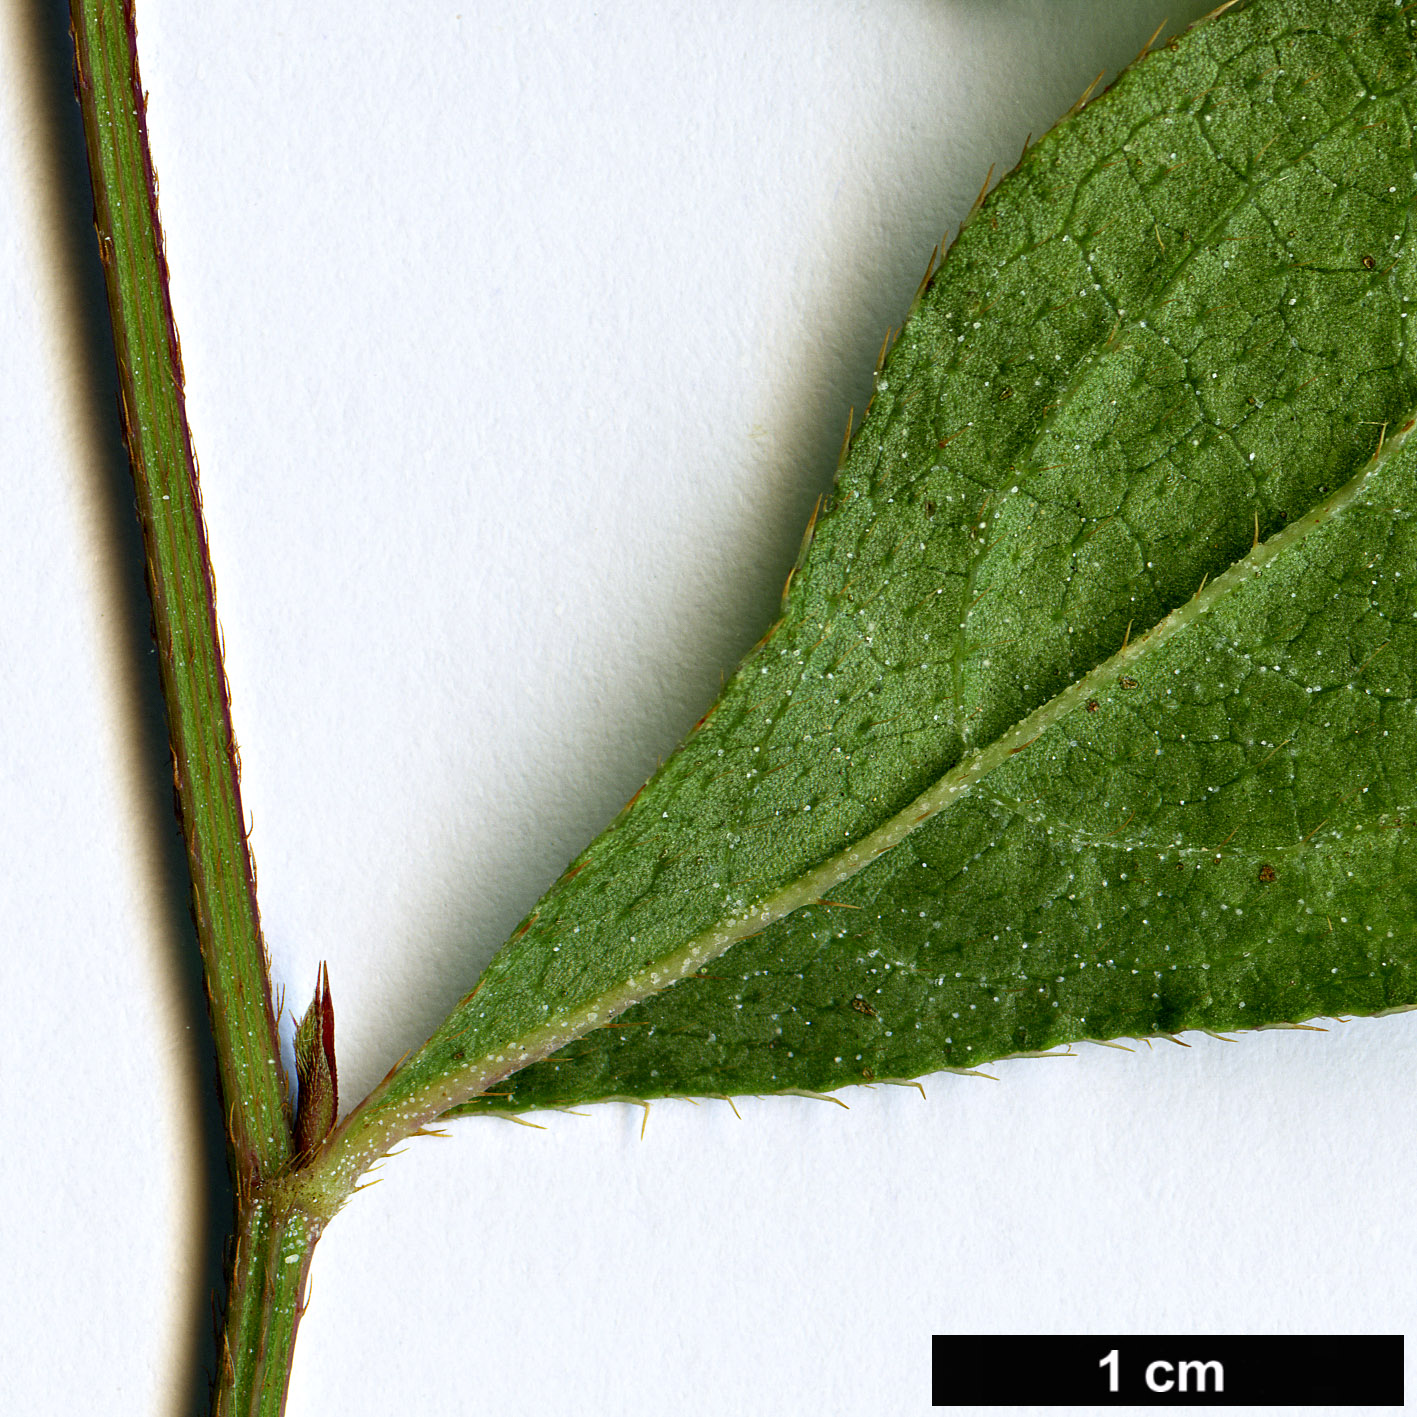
[318, 1103]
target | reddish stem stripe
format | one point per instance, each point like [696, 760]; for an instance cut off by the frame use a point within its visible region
[180, 582]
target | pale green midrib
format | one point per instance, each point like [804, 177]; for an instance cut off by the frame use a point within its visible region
[389, 1116]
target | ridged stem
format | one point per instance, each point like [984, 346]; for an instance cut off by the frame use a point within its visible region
[265, 1299]
[179, 575]
[274, 1244]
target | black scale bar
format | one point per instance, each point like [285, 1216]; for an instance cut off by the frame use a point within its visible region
[1192, 1370]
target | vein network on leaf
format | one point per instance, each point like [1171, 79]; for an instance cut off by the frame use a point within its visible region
[1088, 713]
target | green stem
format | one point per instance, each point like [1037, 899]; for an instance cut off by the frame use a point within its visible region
[275, 1241]
[265, 1299]
[183, 596]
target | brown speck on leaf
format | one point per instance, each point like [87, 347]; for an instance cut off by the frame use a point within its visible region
[1127, 682]
[1268, 874]
[1368, 263]
[862, 1007]
[1093, 706]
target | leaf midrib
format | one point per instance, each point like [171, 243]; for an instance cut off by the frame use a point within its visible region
[439, 1078]
[811, 887]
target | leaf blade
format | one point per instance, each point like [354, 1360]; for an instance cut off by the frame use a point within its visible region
[859, 980]
[993, 468]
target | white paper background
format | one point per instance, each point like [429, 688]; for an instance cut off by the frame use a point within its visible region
[520, 340]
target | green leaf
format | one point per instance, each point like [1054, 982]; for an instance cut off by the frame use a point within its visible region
[1090, 711]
